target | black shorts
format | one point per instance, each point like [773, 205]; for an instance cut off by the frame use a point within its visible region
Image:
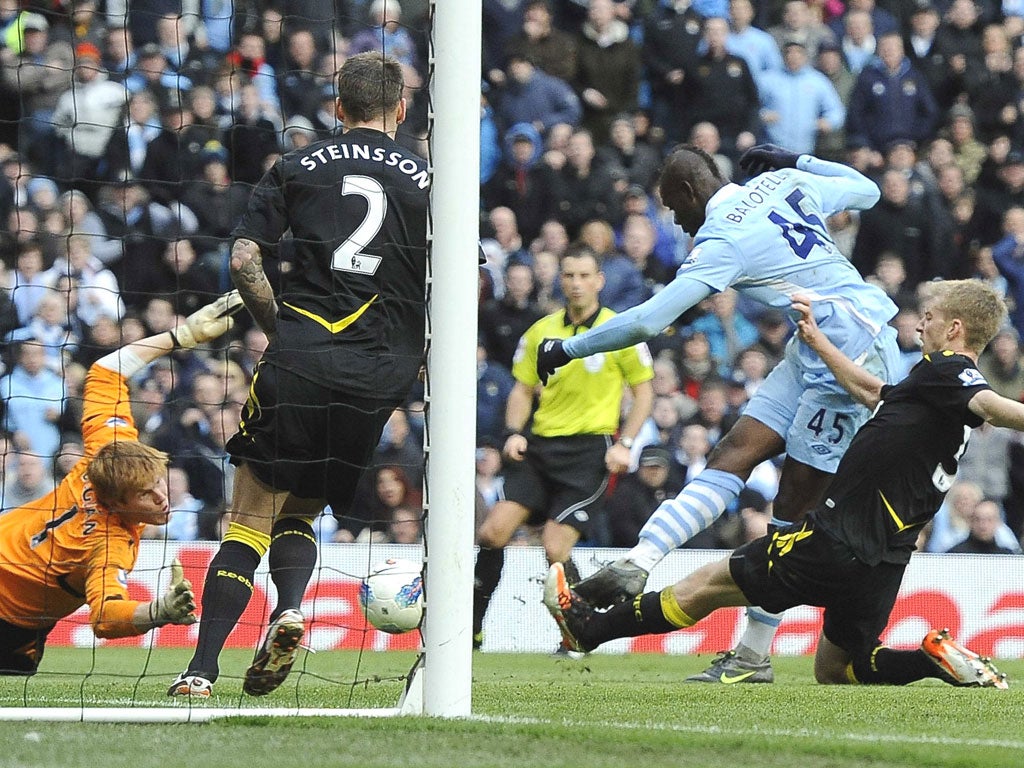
[561, 479]
[299, 436]
[21, 649]
[801, 565]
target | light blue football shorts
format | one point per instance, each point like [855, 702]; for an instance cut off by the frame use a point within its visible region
[813, 413]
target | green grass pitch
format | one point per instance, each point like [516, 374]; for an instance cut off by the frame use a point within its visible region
[529, 710]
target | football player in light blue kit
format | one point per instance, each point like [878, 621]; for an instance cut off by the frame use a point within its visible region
[767, 239]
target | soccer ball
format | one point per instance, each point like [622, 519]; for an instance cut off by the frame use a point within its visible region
[392, 596]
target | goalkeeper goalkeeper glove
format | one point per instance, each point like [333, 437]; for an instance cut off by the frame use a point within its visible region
[177, 605]
[209, 322]
[766, 157]
[550, 356]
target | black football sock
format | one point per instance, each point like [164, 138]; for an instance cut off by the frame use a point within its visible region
[572, 573]
[292, 559]
[643, 615]
[885, 666]
[226, 594]
[486, 576]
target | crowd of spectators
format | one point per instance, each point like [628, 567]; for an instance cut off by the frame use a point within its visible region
[131, 135]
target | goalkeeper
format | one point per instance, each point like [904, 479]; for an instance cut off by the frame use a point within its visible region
[76, 545]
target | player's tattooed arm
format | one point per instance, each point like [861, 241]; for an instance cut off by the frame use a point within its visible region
[251, 281]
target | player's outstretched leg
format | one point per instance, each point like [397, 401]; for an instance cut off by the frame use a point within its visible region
[960, 665]
[673, 523]
[584, 628]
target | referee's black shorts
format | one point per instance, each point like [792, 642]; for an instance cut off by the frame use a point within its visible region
[802, 565]
[561, 479]
[300, 436]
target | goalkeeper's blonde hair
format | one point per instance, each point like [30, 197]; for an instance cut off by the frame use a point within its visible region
[125, 467]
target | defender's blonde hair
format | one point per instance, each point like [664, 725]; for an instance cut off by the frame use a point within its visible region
[975, 304]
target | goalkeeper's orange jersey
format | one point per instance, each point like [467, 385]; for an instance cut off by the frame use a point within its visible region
[62, 551]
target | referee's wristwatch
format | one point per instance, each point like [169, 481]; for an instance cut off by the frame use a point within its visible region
[627, 442]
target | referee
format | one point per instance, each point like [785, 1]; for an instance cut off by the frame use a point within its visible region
[346, 342]
[558, 457]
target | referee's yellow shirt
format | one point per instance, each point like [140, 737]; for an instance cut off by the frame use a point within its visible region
[585, 396]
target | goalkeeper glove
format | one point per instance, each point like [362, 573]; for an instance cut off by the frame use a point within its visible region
[550, 356]
[209, 322]
[766, 157]
[178, 603]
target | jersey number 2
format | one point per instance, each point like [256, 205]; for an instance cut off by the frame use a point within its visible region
[348, 257]
[798, 234]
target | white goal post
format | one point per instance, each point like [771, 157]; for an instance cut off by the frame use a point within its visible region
[440, 682]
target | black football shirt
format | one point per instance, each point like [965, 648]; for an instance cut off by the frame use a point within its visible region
[900, 464]
[351, 311]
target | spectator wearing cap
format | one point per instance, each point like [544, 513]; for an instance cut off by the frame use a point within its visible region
[753, 45]
[608, 71]
[799, 104]
[39, 71]
[521, 182]
[639, 493]
[86, 117]
[533, 96]
[551, 49]
[891, 99]
[669, 241]
[996, 194]
[217, 201]
[640, 162]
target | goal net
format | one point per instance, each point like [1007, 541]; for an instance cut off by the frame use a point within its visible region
[130, 145]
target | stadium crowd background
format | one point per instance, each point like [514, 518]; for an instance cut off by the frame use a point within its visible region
[131, 132]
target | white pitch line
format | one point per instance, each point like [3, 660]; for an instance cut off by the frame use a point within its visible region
[804, 733]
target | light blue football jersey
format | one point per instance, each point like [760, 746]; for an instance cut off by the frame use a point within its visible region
[767, 239]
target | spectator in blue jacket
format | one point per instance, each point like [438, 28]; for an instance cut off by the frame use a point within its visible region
[535, 97]
[799, 103]
[891, 100]
[1008, 254]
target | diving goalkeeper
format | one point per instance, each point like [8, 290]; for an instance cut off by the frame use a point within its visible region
[76, 545]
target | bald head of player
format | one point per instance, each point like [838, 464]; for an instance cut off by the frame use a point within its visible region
[688, 179]
[370, 89]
